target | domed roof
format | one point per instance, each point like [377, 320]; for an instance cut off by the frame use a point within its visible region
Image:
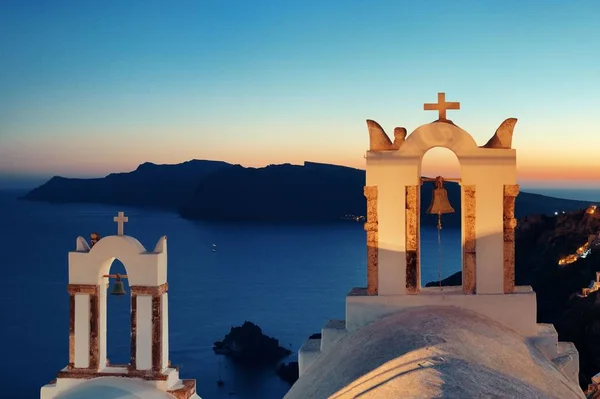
[432, 352]
[114, 388]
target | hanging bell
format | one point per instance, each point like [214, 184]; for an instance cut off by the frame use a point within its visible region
[439, 202]
[117, 288]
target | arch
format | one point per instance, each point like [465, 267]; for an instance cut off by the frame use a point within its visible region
[437, 159]
[143, 268]
[124, 248]
[438, 134]
[115, 314]
[429, 259]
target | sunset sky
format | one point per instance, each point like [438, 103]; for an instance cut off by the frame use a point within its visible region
[93, 87]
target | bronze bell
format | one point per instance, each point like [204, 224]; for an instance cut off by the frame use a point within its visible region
[117, 289]
[439, 201]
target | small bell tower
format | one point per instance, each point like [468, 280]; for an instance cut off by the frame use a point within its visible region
[88, 288]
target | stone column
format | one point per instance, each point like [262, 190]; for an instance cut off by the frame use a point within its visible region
[157, 335]
[83, 326]
[148, 328]
[510, 194]
[413, 272]
[371, 227]
[469, 239]
[71, 331]
[94, 338]
[133, 332]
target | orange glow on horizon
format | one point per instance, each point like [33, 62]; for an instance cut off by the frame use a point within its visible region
[82, 159]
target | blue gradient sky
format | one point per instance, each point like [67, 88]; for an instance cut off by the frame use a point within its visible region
[93, 87]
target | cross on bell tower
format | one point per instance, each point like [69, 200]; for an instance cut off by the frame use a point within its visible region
[120, 219]
[441, 106]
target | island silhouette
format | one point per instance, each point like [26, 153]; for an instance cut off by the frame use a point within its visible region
[220, 191]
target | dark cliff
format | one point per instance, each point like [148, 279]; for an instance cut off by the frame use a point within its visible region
[150, 185]
[214, 190]
[310, 193]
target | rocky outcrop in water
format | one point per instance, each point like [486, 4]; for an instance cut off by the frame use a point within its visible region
[289, 372]
[248, 345]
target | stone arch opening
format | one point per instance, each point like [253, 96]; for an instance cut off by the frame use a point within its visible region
[117, 318]
[439, 161]
[439, 136]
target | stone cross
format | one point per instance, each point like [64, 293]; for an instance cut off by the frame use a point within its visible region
[441, 106]
[120, 220]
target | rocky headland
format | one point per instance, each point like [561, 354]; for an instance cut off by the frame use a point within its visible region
[219, 191]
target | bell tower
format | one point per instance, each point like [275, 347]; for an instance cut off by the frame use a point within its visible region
[488, 190]
[88, 288]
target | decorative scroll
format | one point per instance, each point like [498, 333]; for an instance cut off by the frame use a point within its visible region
[94, 340]
[412, 239]
[470, 248]
[510, 193]
[156, 333]
[371, 227]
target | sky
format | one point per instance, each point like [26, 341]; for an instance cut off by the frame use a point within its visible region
[93, 87]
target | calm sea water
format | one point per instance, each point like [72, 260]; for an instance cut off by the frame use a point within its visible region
[288, 279]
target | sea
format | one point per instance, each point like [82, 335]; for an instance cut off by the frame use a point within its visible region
[288, 279]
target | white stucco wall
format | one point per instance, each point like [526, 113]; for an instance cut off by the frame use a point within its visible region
[102, 322]
[391, 178]
[165, 329]
[516, 311]
[144, 268]
[144, 332]
[488, 169]
[82, 330]
[307, 354]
